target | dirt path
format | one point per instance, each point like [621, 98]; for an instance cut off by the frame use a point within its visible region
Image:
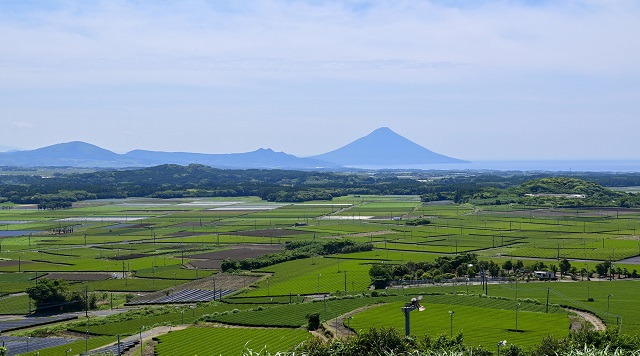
[588, 317]
[336, 325]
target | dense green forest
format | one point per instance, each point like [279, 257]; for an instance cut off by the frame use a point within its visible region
[174, 181]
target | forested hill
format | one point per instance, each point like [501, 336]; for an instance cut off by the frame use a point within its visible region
[574, 192]
[175, 181]
[549, 191]
[562, 185]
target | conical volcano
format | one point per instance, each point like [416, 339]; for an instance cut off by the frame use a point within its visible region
[383, 147]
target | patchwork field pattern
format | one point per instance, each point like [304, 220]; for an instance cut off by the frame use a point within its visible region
[130, 248]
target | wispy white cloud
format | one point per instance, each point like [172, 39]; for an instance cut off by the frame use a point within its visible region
[21, 125]
[117, 41]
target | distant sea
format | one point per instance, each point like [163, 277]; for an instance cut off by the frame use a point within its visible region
[537, 166]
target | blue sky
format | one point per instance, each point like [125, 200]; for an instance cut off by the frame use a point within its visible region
[492, 80]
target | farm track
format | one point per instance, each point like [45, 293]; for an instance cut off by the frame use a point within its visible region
[590, 318]
[342, 330]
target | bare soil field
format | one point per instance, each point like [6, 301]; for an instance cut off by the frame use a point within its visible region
[267, 233]
[239, 252]
[80, 276]
[188, 224]
[11, 263]
[187, 233]
[206, 264]
[155, 211]
[128, 257]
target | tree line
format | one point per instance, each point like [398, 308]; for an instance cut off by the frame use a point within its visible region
[175, 181]
[296, 250]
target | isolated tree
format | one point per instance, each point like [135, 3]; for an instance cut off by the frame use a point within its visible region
[519, 265]
[47, 292]
[584, 272]
[573, 271]
[539, 266]
[603, 268]
[380, 275]
[565, 265]
[507, 265]
[494, 269]
[313, 321]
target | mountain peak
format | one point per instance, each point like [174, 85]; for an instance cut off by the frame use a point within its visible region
[71, 146]
[264, 150]
[384, 147]
[383, 129]
[76, 149]
[75, 154]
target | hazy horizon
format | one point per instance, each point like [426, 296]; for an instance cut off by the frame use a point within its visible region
[480, 81]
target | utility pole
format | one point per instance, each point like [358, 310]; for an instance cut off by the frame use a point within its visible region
[86, 303]
[345, 282]
[547, 308]
[324, 299]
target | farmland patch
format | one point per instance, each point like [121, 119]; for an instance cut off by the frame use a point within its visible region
[128, 257]
[206, 264]
[187, 233]
[239, 253]
[130, 226]
[209, 203]
[267, 233]
[12, 263]
[252, 207]
[229, 341]
[103, 218]
[13, 233]
[80, 276]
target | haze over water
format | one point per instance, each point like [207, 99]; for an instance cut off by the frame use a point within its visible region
[554, 166]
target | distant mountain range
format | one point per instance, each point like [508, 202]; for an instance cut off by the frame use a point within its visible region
[382, 148]
[7, 148]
